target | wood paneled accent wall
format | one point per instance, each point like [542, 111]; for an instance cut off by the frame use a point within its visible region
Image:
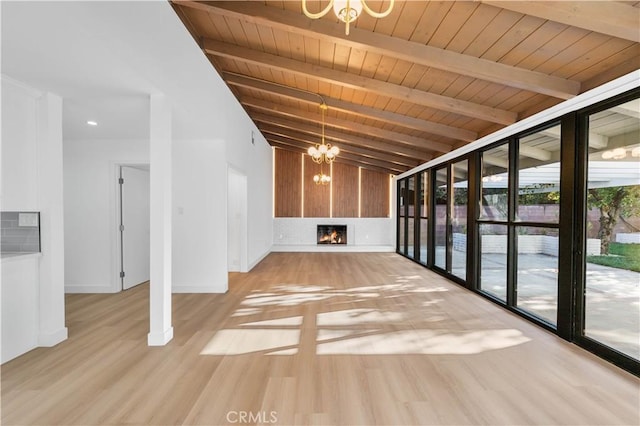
[317, 200]
[345, 190]
[288, 187]
[375, 194]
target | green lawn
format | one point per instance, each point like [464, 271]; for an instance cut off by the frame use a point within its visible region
[622, 256]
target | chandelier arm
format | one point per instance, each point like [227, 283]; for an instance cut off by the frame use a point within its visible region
[319, 14]
[373, 13]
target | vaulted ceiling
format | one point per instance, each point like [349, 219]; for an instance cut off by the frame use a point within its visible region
[429, 78]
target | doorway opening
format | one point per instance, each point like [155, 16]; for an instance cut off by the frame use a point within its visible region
[236, 221]
[134, 226]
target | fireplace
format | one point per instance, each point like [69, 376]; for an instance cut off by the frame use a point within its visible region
[332, 234]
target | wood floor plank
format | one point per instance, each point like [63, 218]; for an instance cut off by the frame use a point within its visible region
[315, 339]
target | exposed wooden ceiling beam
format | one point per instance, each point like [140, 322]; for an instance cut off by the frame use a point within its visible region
[357, 82]
[269, 130]
[344, 156]
[337, 123]
[364, 152]
[394, 47]
[606, 17]
[344, 137]
[351, 108]
[287, 147]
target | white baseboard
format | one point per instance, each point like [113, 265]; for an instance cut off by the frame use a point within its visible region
[160, 339]
[52, 339]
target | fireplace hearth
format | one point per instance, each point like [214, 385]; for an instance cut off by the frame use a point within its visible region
[332, 234]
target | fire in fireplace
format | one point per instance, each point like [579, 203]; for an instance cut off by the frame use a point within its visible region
[332, 234]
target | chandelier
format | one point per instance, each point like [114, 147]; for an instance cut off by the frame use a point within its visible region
[323, 153]
[321, 178]
[347, 10]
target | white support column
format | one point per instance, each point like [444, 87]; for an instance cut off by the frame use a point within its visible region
[52, 328]
[160, 329]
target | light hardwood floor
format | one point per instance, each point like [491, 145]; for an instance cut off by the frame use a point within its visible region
[324, 338]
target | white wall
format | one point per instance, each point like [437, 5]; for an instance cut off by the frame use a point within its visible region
[19, 191]
[249, 153]
[19, 132]
[32, 287]
[236, 221]
[363, 234]
[90, 208]
[199, 217]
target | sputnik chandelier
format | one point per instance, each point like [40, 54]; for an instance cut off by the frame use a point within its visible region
[347, 10]
[323, 153]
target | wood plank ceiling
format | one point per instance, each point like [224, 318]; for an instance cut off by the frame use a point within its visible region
[429, 78]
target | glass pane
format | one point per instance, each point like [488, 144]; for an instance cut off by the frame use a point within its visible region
[539, 177]
[459, 220]
[442, 189]
[401, 236]
[493, 260]
[412, 211]
[612, 293]
[402, 196]
[424, 214]
[495, 182]
[537, 282]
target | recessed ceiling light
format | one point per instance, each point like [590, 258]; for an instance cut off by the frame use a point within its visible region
[92, 123]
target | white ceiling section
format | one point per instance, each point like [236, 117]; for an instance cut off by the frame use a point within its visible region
[105, 59]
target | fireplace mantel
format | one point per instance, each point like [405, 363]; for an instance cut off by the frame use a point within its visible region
[363, 234]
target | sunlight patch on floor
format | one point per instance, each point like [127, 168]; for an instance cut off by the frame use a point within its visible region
[242, 312]
[238, 342]
[358, 316]
[279, 322]
[426, 342]
[290, 299]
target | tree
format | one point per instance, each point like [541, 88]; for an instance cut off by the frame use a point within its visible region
[613, 202]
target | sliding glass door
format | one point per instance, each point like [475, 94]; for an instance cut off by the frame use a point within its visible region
[611, 225]
[518, 223]
[545, 222]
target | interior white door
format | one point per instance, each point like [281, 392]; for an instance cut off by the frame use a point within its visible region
[135, 226]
